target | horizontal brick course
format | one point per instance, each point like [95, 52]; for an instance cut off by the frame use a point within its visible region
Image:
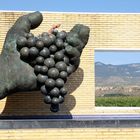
[68, 134]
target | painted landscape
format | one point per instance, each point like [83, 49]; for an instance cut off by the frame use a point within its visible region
[117, 85]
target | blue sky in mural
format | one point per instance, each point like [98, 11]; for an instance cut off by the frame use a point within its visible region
[72, 5]
[117, 57]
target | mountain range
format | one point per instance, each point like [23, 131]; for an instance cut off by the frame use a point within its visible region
[113, 75]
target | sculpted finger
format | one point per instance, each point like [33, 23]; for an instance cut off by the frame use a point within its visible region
[27, 22]
[22, 26]
[72, 51]
[82, 31]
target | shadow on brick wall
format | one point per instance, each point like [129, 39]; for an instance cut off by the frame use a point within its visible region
[30, 104]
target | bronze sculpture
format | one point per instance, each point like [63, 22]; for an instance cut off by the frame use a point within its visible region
[29, 63]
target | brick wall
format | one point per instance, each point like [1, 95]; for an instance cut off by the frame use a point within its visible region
[71, 134]
[107, 31]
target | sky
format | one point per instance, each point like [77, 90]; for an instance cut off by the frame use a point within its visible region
[72, 5]
[115, 6]
[117, 57]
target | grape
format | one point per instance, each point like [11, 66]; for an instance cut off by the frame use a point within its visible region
[59, 82]
[21, 42]
[40, 60]
[41, 78]
[45, 52]
[61, 66]
[53, 73]
[66, 60]
[63, 91]
[54, 92]
[29, 35]
[55, 100]
[44, 34]
[61, 35]
[49, 62]
[44, 90]
[52, 37]
[31, 42]
[39, 44]
[65, 44]
[59, 56]
[47, 99]
[55, 31]
[24, 52]
[47, 40]
[61, 99]
[59, 43]
[50, 83]
[37, 68]
[63, 74]
[52, 59]
[70, 69]
[44, 69]
[33, 51]
[53, 48]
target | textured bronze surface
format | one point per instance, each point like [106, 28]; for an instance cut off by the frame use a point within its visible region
[17, 75]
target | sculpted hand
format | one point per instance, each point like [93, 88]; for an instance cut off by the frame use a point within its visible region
[78, 38]
[15, 74]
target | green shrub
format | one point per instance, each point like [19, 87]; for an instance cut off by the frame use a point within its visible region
[123, 101]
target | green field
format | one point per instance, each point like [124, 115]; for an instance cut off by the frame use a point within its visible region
[122, 101]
